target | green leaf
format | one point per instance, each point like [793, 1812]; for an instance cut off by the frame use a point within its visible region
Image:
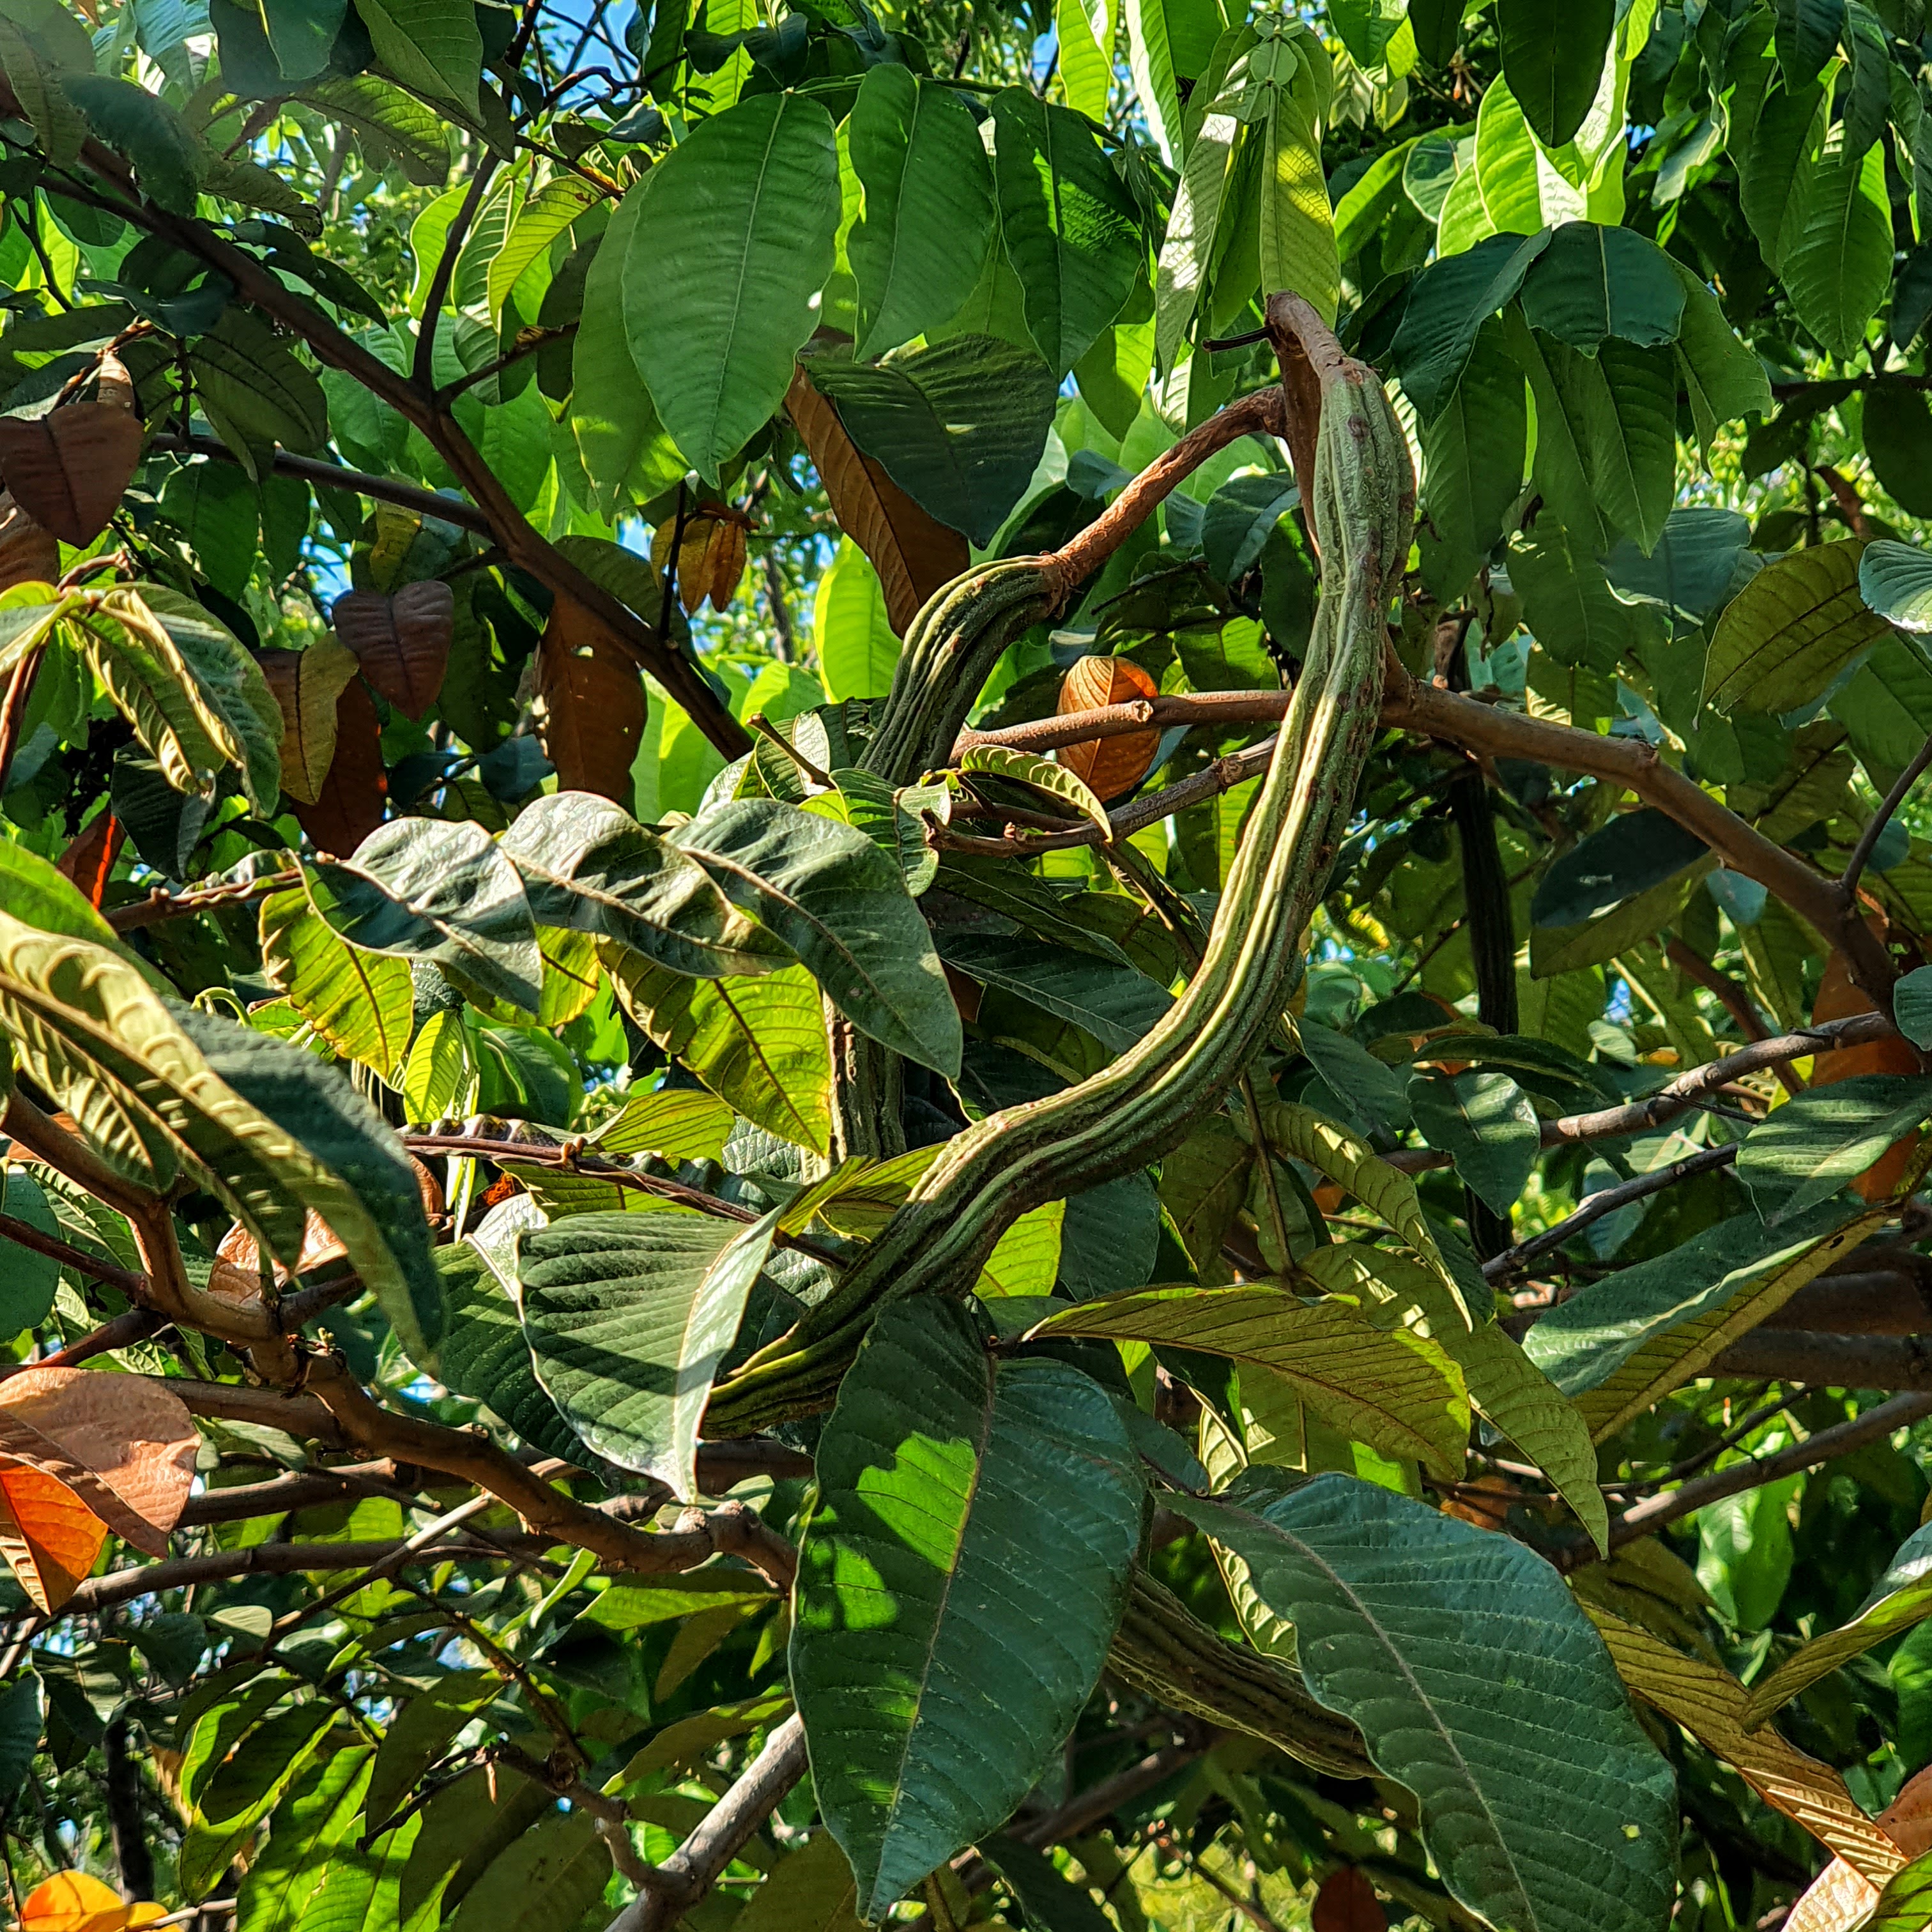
[166, 156]
[917, 251]
[1912, 1006]
[629, 1317]
[1839, 269]
[439, 1076]
[254, 391]
[419, 1733]
[1041, 775]
[432, 47]
[588, 866]
[390, 121]
[1506, 1388]
[1905, 1905]
[1803, 1152]
[1901, 1597]
[977, 1522]
[229, 681]
[811, 1891]
[361, 1004]
[552, 1876]
[891, 820]
[734, 240]
[316, 1825]
[1775, 173]
[28, 1279]
[759, 1045]
[1391, 1388]
[857, 649]
[1897, 425]
[1182, 273]
[1626, 401]
[1806, 36]
[21, 1710]
[245, 1787]
[485, 1355]
[1150, 61]
[1553, 58]
[348, 1165]
[1790, 631]
[1473, 452]
[1298, 225]
[1592, 282]
[1069, 227]
[1725, 379]
[1451, 301]
[1634, 851]
[1625, 1342]
[1485, 1123]
[545, 216]
[959, 426]
[1116, 1004]
[841, 905]
[1050, 1902]
[1895, 580]
[445, 892]
[1479, 1684]
[37, 894]
[1567, 601]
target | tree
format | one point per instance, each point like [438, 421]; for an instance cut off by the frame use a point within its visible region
[1176, 1181]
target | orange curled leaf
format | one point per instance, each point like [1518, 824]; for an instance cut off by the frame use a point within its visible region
[1109, 765]
[72, 1902]
[68, 469]
[401, 641]
[588, 707]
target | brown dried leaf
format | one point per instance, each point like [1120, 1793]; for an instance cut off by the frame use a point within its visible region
[308, 685]
[236, 1275]
[1109, 766]
[588, 705]
[401, 641]
[350, 803]
[724, 560]
[28, 554]
[68, 469]
[913, 552]
[1347, 1903]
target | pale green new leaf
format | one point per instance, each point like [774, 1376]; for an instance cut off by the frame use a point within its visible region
[851, 633]
[1297, 223]
[1838, 270]
[361, 1003]
[1180, 276]
[439, 1078]
[976, 1524]
[1790, 631]
[1040, 775]
[542, 219]
[733, 242]
[1478, 1684]
[628, 1316]
[1392, 1388]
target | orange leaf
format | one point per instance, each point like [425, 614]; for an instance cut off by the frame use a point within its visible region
[308, 686]
[28, 554]
[725, 562]
[88, 860]
[1347, 1903]
[588, 704]
[401, 641]
[913, 552]
[1838, 999]
[1840, 1898]
[350, 804]
[72, 1902]
[1109, 766]
[67, 469]
[49, 1537]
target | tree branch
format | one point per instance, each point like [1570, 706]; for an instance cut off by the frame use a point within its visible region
[1138, 714]
[695, 1866]
[1869, 838]
[1829, 1361]
[134, 1286]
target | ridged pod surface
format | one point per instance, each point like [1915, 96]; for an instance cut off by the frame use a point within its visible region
[1361, 490]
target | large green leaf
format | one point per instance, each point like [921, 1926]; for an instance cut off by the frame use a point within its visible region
[1725, 380]
[959, 426]
[588, 866]
[432, 47]
[1506, 1388]
[1117, 1005]
[485, 1354]
[348, 1166]
[1478, 1684]
[733, 242]
[1593, 281]
[1298, 222]
[1625, 398]
[977, 1525]
[1187, 250]
[1391, 1388]
[1901, 1597]
[1895, 580]
[1473, 452]
[318, 1823]
[230, 681]
[1820, 1140]
[1069, 227]
[245, 1787]
[1561, 467]
[255, 392]
[361, 1003]
[759, 1045]
[371, 107]
[841, 905]
[628, 1316]
[552, 1876]
[1450, 302]
[1634, 851]
[1485, 1123]
[1552, 56]
[443, 892]
[1567, 601]
[1790, 631]
[1838, 270]
[917, 251]
[1626, 1342]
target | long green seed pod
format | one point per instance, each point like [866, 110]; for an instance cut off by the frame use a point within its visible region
[1359, 483]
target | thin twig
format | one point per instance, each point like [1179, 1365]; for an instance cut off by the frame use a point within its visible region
[1869, 838]
[422, 371]
[133, 1286]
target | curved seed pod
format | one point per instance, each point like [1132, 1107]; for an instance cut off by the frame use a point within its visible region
[1362, 492]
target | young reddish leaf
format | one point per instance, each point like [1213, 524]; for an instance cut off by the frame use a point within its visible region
[913, 552]
[72, 1902]
[308, 686]
[350, 806]
[1110, 765]
[28, 554]
[82, 1453]
[588, 705]
[1347, 1903]
[88, 860]
[401, 641]
[67, 469]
